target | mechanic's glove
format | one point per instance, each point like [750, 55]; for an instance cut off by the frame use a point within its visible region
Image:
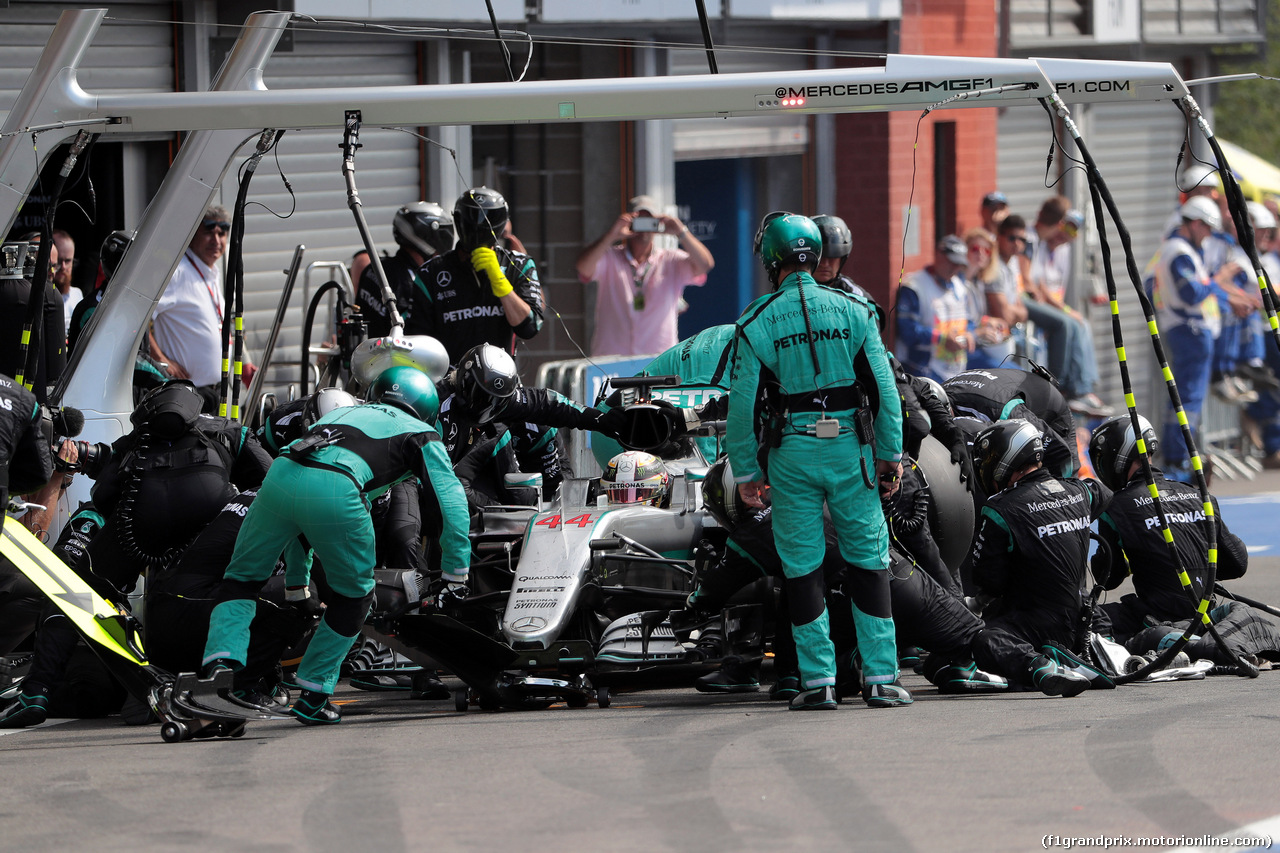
[447, 592]
[960, 456]
[484, 260]
[716, 409]
[611, 422]
[301, 600]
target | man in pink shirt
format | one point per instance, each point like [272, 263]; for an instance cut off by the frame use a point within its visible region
[638, 299]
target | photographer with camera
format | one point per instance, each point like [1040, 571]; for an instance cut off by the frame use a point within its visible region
[640, 284]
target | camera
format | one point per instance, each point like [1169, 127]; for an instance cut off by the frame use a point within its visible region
[647, 224]
[91, 457]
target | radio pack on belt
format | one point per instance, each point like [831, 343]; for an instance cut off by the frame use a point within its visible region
[313, 441]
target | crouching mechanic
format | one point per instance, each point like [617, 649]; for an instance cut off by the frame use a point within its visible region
[1134, 532]
[320, 487]
[812, 360]
[1031, 549]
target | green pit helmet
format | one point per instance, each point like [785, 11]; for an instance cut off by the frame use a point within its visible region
[790, 239]
[408, 389]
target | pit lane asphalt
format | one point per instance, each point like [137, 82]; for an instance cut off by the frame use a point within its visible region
[677, 770]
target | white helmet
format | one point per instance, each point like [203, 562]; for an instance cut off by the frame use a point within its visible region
[1202, 209]
[375, 355]
[1198, 175]
[1260, 217]
[636, 477]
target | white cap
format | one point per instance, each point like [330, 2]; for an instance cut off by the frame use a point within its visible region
[1259, 216]
[1203, 209]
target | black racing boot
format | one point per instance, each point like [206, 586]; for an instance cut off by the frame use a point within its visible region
[217, 665]
[785, 688]
[378, 682]
[1098, 680]
[888, 694]
[427, 685]
[735, 675]
[817, 699]
[315, 709]
[1053, 680]
[251, 698]
[31, 708]
[962, 678]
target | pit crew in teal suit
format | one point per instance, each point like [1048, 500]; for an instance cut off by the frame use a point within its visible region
[815, 414]
[702, 362]
[321, 487]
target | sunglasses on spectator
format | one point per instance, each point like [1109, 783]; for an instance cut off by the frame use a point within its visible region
[212, 224]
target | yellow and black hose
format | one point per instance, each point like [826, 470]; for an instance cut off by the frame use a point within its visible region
[1101, 197]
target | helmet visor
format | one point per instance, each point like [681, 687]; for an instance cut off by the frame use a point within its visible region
[632, 493]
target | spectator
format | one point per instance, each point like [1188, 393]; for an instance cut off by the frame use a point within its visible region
[186, 330]
[993, 210]
[640, 284]
[62, 274]
[936, 319]
[1239, 350]
[1067, 336]
[1189, 318]
[995, 290]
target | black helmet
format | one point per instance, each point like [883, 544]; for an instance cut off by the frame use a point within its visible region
[113, 249]
[1004, 448]
[484, 377]
[479, 216]
[169, 410]
[1114, 447]
[407, 389]
[768, 217]
[323, 402]
[837, 239]
[720, 495]
[423, 227]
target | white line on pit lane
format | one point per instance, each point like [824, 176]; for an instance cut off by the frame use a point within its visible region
[46, 724]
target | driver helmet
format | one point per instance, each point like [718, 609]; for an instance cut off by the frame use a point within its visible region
[1114, 447]
[323, 402]
[1003, 449]
[637, 477]
[407, 389]
[480, 215]
[424, 227]
[484, 377]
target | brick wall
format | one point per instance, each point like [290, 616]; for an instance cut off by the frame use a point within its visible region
[879, 155]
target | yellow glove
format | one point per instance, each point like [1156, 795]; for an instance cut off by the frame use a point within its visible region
[484, 260]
